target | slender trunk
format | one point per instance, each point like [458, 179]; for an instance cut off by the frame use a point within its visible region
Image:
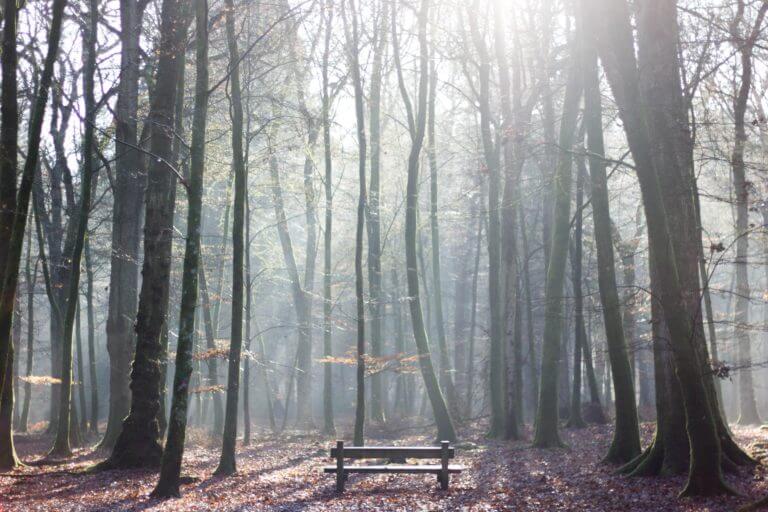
[93, 381]
[748, 414]
[83, 423]
[128, 192]
[446, 369]
[575, 420]
[374, 216]
[546, 429]
[211, 363]
[533, 366]
[417, 124]
[626, 438]
[495, 288]
[227, 465]
[328, 424]
[353, 53]
[170, 468]
[31, 277]
[248, 309]
[61, 446]
[470, 398]
[9, 143]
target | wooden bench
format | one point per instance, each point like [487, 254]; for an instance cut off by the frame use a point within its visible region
[396, 455]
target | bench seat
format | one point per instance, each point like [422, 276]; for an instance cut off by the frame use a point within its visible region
[434, 469]
[397, 456]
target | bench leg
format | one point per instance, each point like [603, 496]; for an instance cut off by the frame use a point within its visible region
[341, 475]
[444, 445]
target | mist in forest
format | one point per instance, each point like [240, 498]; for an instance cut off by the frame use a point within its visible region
[508, 224]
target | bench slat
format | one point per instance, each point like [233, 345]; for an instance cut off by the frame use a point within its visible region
[383, 452]
[396, 468]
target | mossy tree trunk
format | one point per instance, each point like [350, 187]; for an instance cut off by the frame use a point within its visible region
[575, 420]
[625, 444]
[328, 423]
[128, 191]
[660, 141]
[227, 462]
[351, 30]
[748, 414]
[170, 468]
[546, 433]
[417, 126]
[138, 445]
[61, 446]
[373, 218]
[496, 378]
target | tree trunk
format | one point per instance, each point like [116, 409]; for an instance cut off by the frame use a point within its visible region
[138, 444]
[83, 423]
[128, 192]
[545, 429]
[625, 444]
[93, 381]
[446, 369]
[417, 124]
[575, 420]
[227, 465]
[170, 468]
[495, 287]
[377, 405]
[328, 424]
[31, 278]
[748, 414]
[353, 52]
[211, 363]
[61, 446]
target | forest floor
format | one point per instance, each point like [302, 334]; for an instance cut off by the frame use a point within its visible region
[284, 474]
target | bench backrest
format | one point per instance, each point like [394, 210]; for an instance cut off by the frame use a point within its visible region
[383, 452]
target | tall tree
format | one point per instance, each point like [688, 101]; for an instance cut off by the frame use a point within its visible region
[575, 419]
[128, 191]
[138, 442]
[446, 368]
[417, 121]
[745, 43]
[13, 227]
[227, 463]
[376, 305]
[626, 437]
[92, 370]
[353, 52]
[170, 467]
[496, 367]
[61, 444]
[660, 141]
[545, 429]
[328, 424]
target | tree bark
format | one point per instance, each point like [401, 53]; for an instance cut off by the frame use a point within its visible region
[138, 444]
[417, 125]
[128, 192]
[328, 423]
[227, 463]
[61, 445]
[625, 444]
[170, 467]
[546, 426]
